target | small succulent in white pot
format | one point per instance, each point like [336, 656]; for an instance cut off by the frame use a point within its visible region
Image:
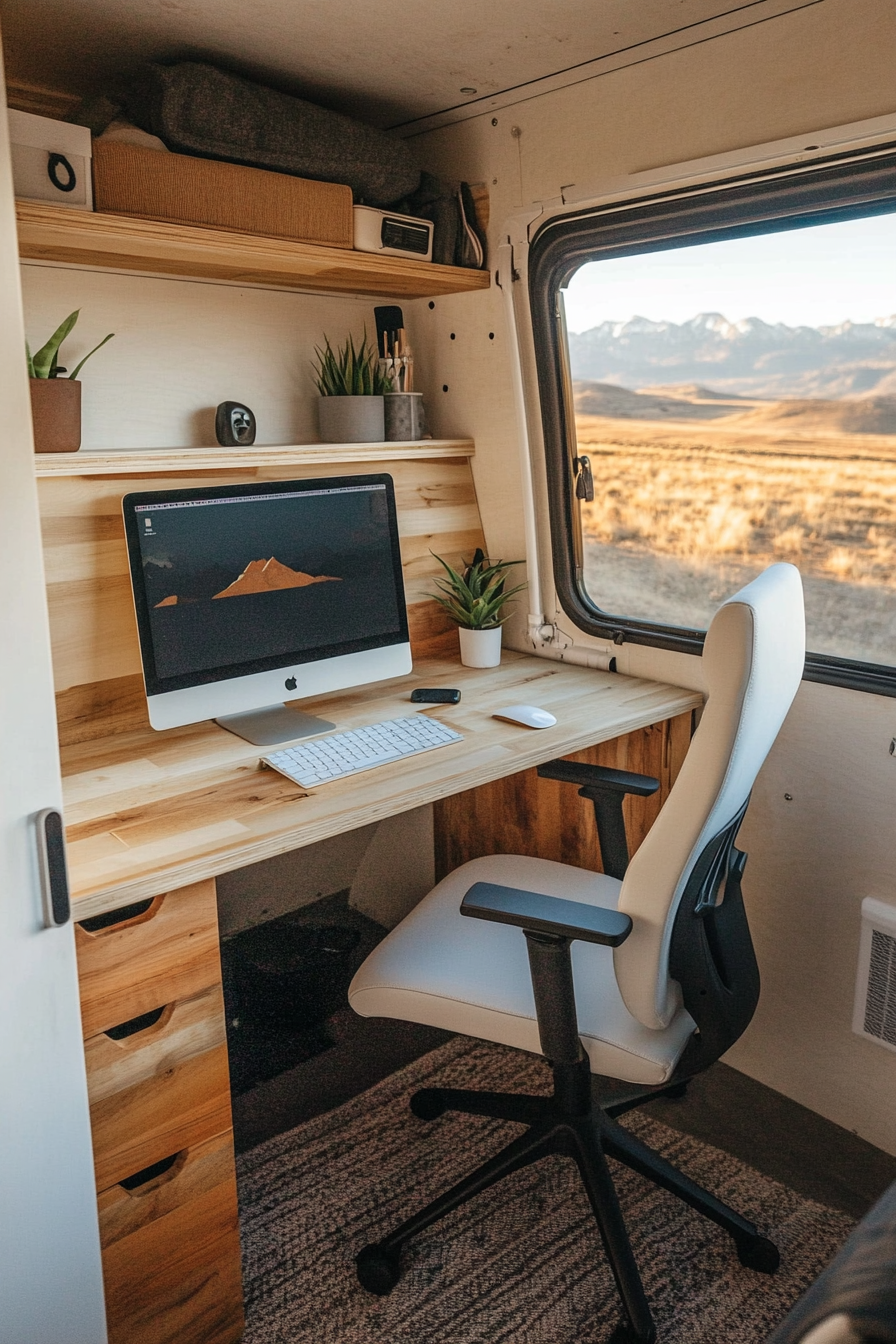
[475, 600]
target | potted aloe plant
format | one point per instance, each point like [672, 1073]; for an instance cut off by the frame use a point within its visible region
[55, 398]
[475, 599]
[351, 386]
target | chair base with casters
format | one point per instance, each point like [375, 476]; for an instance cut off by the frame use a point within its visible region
[570, 1122]
[644, 974]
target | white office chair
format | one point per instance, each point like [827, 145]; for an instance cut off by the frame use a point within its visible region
[644, 973]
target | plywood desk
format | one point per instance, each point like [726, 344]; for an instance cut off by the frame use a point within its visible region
[149, 811]
[152, 819]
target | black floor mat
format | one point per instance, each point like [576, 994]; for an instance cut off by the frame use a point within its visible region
[284, 980]
[296, 1049]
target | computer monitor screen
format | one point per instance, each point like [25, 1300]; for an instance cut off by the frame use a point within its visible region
[248, 595]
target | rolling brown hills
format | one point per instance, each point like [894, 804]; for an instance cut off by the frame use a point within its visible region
[873, 415]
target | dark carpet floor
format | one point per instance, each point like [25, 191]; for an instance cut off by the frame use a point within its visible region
[287, 1072]
[522, 1264]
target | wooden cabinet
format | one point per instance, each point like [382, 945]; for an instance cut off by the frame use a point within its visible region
[159, 1089]
[157, 952]
[171, 1252]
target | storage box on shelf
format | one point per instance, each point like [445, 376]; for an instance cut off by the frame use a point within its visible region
[150, 184]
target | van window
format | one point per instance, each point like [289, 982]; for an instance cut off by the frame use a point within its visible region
[734, 393]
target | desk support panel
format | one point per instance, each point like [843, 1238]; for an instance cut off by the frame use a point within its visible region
[522, 814]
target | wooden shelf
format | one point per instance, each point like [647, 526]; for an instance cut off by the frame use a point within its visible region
[138, 461]
[82, 237]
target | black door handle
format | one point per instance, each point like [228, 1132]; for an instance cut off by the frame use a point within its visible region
[53, 868]
[584, 479]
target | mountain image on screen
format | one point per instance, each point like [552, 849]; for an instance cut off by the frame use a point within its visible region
[313, 575]
[262, 576]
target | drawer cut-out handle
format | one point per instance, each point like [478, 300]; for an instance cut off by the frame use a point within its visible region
[131, 1028]
[125, 914]
[168, 1166]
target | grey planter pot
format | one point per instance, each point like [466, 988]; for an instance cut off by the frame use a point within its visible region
[351, 419]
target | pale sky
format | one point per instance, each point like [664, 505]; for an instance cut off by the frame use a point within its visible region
[815, 277]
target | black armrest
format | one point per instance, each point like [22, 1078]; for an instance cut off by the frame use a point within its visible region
[605, 788]
[546, 914]
[599, 777]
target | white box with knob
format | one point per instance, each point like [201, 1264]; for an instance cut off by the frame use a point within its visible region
[50, 160]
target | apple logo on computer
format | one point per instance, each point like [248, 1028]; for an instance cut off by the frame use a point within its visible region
[290, 683]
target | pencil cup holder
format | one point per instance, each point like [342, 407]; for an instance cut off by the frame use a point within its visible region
[405, 417]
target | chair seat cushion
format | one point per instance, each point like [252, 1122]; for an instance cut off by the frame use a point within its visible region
[443, 969]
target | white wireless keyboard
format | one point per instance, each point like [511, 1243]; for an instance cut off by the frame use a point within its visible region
[341, 754]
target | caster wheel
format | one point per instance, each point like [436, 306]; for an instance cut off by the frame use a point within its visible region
[377, 1269]
[760, 1254]
[427, 1104]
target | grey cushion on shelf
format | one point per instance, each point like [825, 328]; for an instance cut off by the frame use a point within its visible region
[198, 109]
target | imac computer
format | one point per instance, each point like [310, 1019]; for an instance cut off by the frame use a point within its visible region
[249, 595]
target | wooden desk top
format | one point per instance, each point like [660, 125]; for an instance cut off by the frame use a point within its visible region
[148, 812]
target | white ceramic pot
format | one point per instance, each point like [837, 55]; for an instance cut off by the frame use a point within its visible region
[480, 648]
[351, 419]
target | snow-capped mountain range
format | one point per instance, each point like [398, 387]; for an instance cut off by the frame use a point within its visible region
[748, 358]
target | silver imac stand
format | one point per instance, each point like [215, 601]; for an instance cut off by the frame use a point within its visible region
[274, 726]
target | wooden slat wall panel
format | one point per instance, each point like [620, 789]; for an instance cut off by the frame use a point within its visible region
[96, 656]
[542, 818]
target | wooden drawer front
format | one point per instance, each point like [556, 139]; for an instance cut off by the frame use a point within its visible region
[160, 1090]
[169, 952]
[171, 1252]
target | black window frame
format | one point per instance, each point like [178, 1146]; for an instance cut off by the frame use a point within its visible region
[841, 187]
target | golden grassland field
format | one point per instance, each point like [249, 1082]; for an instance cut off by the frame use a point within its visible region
[674, 501]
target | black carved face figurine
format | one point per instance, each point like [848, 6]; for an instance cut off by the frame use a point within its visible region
[234, 425]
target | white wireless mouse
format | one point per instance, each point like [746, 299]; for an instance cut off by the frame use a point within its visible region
[527, 715]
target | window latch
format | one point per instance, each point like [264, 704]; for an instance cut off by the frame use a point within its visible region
[584, 479]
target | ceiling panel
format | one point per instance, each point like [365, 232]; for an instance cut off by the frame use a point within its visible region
[385, 63]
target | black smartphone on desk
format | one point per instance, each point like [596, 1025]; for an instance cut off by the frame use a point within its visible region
[434, 696]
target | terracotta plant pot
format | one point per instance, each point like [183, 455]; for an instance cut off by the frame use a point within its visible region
[480, 648]
[56, 414]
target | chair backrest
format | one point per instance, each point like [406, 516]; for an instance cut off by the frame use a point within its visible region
[753, 660]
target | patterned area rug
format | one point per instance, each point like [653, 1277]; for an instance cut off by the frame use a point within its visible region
[521, 1264]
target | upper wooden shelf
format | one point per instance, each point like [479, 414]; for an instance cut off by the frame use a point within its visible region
[138, 461]
[53, 233]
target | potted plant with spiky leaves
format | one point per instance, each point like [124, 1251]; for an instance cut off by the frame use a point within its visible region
[475, 600]
[351, 386]
[56, 394]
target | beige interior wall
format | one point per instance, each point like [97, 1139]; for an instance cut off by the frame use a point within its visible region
[814, 858]
[183, 346]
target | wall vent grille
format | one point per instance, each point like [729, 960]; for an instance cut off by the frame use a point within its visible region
[874, 1015]
[880, 1002]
